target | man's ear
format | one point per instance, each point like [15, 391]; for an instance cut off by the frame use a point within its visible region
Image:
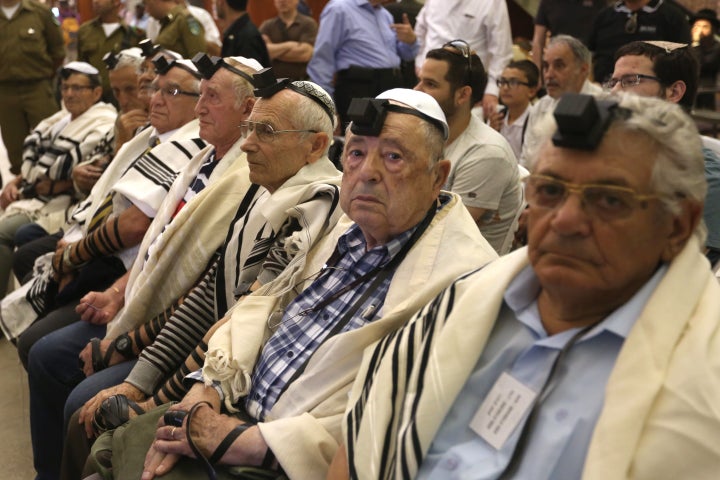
[683, 227]
[320, 144]
[248, 105]
[676, 91]
[442, 170]
[462, 95]
[97, 94]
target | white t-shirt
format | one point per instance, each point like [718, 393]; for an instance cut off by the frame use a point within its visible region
[484, 172]
[513, 132]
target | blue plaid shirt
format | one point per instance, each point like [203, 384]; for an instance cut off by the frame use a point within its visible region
[303, 329]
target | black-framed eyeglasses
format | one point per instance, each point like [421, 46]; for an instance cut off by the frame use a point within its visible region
[629, 80]
[170, 91]
[631, 25]
[607, 202]
[510, 82]
[464, 48]
[75, 88]
[265, 132]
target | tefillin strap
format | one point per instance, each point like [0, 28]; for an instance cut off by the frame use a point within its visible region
[267, 85]
[582, 120]
[368, 115]
[208, 66]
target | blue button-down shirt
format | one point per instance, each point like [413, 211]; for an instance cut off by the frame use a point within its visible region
[353, 32]
[519, 345]
[304, 327]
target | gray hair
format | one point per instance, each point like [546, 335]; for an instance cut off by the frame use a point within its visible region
[309, 115]
[129, 61]
[242, 87]
[679, 169]
[579, 50]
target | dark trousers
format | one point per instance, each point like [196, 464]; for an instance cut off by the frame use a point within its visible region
[31, 245]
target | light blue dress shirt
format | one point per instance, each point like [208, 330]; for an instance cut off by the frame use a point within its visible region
[352, 32]
[519, 345]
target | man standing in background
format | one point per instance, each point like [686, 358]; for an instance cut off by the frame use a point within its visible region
[31, 49]
[358, 51]
[289, 39]
[107, 32]
[484, 24]
[241, 37]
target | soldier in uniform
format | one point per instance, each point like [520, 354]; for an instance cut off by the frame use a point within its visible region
[31, 49]
[107, 32]
[179, 31]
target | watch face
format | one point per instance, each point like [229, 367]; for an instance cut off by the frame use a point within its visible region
[122, 344]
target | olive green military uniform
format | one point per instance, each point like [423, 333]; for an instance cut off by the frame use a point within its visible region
[31, 47]
[181, 33]
[93, 45]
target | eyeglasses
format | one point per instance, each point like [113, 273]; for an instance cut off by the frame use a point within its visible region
[607, 202]
[510, 82]
[169, 91]
[631, 25]
[464, 48]
[629, 80]
[265, 133]
[75, 88]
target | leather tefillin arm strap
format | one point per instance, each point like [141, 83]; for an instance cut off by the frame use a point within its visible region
[103, 241]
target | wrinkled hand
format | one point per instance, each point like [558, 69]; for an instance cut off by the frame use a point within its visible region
[489, 104]
[99, 307]
[127, 123]
[9, 194]
[208, 429]
[404, 31]
[86, 356]
[85, 176]
[87, 412]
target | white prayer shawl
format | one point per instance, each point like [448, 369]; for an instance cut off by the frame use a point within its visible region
[303, 429]
[660, 418]
[124, 158]
[21, 307]
[294, 199]
[51, 154]
[311, 197]
[149, 183]
[160, 275]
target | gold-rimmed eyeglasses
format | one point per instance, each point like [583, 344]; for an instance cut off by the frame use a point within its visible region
[607, 202]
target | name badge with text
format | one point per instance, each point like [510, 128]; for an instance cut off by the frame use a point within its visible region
[502, 410]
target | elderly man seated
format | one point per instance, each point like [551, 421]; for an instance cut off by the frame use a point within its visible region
[101, 251]
[282, 363]
[592, 353]
[44, 189]
[289, 208]
[123, 70]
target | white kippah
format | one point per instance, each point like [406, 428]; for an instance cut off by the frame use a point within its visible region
[187, 64]
[420, 101]
[248, 62]
[81, 67]
[133, 52]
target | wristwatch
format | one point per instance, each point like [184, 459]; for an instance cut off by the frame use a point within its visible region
[123, 345]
